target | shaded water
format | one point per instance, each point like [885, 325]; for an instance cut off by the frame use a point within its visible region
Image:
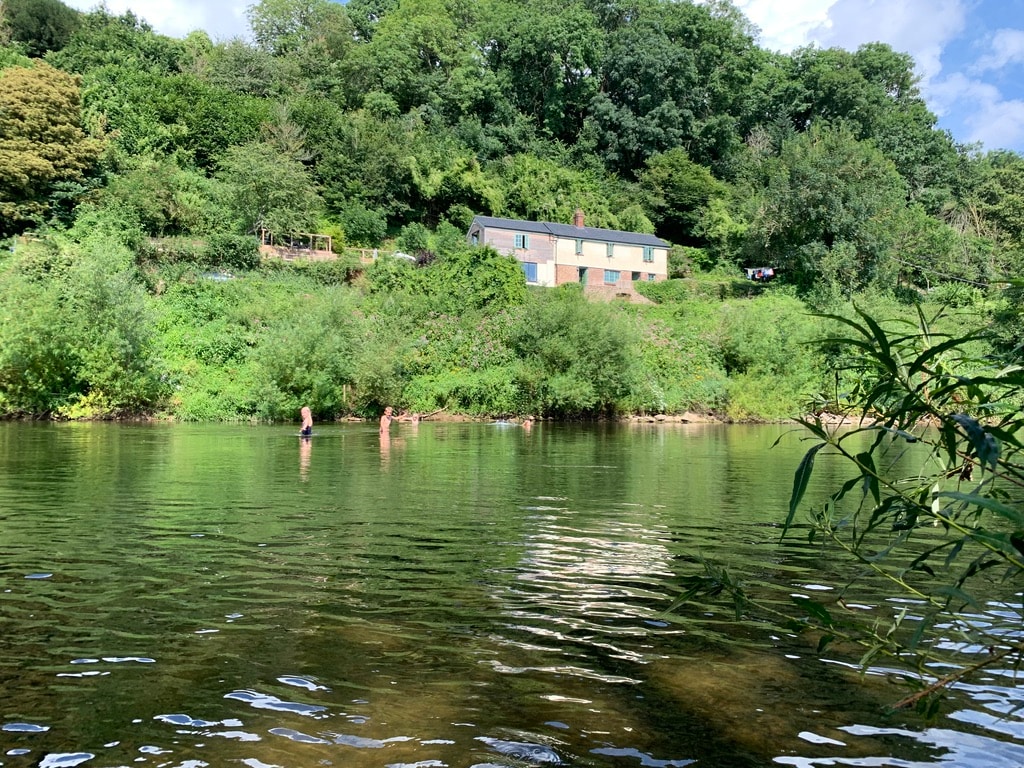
[465, 595]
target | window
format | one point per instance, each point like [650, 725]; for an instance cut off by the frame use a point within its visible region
[579, 245]
[650, 278]
[610, 250]
[476, 238]
[530, 270]
[522, 241]
[648, 253]
[636, 277]
[611, 276]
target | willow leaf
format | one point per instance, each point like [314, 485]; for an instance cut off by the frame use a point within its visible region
[800, 480]
[1013, 515]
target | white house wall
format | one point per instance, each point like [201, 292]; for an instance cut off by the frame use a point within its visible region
[624, 258]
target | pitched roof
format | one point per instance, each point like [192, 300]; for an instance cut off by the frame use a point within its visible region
[570, 232]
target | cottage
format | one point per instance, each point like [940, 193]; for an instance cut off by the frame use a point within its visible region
[606, 262]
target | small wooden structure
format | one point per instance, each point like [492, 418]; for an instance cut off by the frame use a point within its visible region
[300, 245]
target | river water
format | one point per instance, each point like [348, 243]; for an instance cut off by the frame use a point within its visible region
[461, 595]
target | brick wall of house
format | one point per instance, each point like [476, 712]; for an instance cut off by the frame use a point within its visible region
[595, 285]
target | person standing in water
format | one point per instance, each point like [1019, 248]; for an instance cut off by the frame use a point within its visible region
[307, 422]
[385, 420]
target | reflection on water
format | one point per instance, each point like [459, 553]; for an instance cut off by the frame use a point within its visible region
[454, 595]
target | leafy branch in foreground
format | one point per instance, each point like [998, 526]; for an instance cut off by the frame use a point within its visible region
[932, 506]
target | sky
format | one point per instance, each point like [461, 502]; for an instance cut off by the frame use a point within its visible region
[969, 54]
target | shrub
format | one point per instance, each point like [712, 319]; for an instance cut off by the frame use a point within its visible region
[576, 355]
[363, 227]
[232, 251]
[956, 295]
[413, 238]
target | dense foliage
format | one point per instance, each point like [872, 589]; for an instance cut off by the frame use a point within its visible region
[137, 170]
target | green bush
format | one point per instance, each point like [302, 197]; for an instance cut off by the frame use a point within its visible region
[487, 392]
[363, 227]
[171, 250]
[673, 371]
[335, 272]
[773, 370]
[232, 251]
[307, 357]
[78, 342]
[413, 238]
[957, 295]
[576, 356]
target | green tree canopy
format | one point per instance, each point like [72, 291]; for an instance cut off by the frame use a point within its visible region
[39, 25]
[179, 115]
[268, 190]
[827, 213]
[42, 144]
[545, 55]
[125, 40]
[677, 193]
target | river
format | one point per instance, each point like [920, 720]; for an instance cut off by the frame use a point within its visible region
[462, 595]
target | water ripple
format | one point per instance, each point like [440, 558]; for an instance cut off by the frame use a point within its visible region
[258, 700]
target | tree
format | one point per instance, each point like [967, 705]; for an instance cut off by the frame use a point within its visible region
[673, 75]
[124, 40]
[268, 190]
[825, 217]
[412, 54]
[282, 27]
[1000, 198]
[678, 191]
[873, 93]
[239, 67]
[166, 199]
[362, 157]
[42, 144]
[40, 25]
[367, 14]
[544, 189]
[546, 55]
[152, 113]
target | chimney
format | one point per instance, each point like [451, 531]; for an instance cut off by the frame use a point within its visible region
[577, 218]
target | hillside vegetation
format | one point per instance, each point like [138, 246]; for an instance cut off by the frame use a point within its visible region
[136, 171]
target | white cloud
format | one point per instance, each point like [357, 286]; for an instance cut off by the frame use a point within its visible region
[1007, 48]
[785, 28]
[921, 28]
[987, 117]
[222, 19]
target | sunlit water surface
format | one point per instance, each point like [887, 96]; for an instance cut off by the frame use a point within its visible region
[462, 595]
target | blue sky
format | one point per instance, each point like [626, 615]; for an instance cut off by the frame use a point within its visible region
[969, 54]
